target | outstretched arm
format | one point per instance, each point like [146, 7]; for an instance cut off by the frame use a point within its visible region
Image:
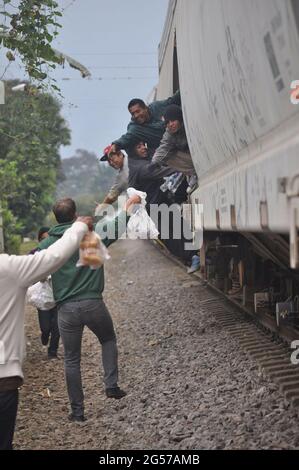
[126, 140]
[174, 99]
[113, 229]
[166, 146]
[154, 172]
[26, 270]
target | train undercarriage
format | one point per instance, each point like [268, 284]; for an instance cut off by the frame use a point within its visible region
[252, 269]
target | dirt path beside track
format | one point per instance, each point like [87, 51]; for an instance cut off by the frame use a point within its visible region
[189, 385]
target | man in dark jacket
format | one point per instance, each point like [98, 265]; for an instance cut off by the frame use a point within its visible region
[173, 150]
[78, 294]
[146, 124]
[146, 176]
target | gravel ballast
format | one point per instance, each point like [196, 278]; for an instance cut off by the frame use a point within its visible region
[189, 384]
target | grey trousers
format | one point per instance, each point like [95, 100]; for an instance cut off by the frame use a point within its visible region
[72, 317]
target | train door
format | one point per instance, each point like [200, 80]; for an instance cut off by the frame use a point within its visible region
[176, 78]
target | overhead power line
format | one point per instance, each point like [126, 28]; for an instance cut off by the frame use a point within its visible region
[114, 53]
[108, 78]
[122, 66]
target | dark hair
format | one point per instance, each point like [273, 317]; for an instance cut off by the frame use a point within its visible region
[64, 210]
[135, 101]
[173, 112]
[138, 143]
[41, 231]
[132, 150]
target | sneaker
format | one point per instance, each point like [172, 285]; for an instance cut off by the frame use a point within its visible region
[115, 392]
[195, 265]
[44, 339]
[52, 356]
[74, 418]
[193, 183]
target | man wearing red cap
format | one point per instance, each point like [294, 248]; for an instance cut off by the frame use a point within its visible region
[119, 161]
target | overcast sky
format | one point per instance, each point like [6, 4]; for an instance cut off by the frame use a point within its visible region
[118, 41]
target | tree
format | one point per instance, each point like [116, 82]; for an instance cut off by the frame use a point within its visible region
[33, 25]
[86, 180]
[31, 133]
[32, 28]
[12, 239]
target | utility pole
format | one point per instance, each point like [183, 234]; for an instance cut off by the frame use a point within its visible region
[1, 232]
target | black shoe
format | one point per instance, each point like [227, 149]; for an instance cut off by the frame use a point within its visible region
[44, 339]
[52, 356]
[115, 392]
[79, 418]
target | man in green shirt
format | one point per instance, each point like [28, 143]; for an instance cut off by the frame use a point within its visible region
[78, 294]
[146, 124]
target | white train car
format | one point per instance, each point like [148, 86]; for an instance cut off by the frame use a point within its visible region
[234, 62]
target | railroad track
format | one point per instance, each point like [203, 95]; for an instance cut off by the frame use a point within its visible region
[257, 335]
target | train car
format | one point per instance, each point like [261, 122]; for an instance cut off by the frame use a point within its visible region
[236, 63]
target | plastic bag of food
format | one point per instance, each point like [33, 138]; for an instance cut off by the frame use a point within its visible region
[40, 295]
[140, 224]
[93, 252]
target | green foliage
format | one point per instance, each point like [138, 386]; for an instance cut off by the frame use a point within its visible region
[50, 220]
[31, 133]
[32, 27]
[85, 180]
[26, 247]
[85, 204]
[12, 240]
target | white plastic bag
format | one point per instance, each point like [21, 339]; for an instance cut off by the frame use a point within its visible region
[93, 252]
[40, 295]
[140, 224]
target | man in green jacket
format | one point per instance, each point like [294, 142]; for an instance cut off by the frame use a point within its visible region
[78, 294]
[146, 124]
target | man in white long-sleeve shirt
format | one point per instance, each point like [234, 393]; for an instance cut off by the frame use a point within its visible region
[119, 161]
[17, 273]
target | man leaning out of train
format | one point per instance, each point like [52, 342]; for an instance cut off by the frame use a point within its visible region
[145, 175]
[173, 150]
[146, 124]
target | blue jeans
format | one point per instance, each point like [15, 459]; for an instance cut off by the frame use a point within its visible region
[72, 317]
